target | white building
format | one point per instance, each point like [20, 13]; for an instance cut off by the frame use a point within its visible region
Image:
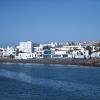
[39, 51]
[80, 53]
[25, 46]
[10, 50]
[25, 50]
[43, 53]
[26, 56]
[59, 54]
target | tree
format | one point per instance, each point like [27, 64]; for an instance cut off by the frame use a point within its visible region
[11, 56]
[46, 47]
[90, 50]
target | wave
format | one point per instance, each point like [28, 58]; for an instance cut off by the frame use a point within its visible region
[82, 89]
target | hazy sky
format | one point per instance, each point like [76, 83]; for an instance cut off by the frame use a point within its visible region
[49, 20]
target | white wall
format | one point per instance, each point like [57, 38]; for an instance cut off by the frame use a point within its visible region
[60, 52]
[9, 51]
[26, 56]
[25, 46]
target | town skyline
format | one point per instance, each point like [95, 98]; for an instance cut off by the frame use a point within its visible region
[49, 21]
[50, 42]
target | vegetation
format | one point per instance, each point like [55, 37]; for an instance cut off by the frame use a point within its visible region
[90, 50]
[11, 56]
[46, 47]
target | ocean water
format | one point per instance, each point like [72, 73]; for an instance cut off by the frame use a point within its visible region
[49, 82]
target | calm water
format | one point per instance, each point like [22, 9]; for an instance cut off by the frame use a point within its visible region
[49, 82]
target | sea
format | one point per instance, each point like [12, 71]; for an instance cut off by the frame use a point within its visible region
[49, 82]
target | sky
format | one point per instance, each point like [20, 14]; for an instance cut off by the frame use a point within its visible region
[44, 21]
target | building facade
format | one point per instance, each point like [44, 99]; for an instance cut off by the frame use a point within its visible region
[25, 46]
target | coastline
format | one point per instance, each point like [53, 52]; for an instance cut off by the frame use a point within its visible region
[84, 62]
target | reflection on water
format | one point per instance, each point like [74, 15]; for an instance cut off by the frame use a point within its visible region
[90, 91]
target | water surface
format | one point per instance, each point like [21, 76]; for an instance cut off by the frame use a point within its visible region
[49, 82]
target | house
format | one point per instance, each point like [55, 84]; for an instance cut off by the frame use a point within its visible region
[47, 53]
[26, 56]
[39, 51]
[59, 54]
[80, 53]
[43, 51]
[10, 50]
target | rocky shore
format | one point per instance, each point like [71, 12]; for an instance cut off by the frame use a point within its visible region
[84, 62]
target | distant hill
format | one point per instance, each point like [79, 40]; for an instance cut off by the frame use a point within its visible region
[35, 44]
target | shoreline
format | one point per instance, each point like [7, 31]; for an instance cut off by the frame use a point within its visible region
[84, 62]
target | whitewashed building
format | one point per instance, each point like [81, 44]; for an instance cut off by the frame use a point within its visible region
[80, 53]
[43, 53]
[25, 50]
[10, 50]
[26, 56]
[59, 54]
[25, 46]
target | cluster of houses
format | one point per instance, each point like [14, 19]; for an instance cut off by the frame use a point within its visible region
[27, 50]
